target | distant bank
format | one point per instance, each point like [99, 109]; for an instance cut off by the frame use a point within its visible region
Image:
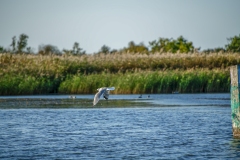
[22, 74]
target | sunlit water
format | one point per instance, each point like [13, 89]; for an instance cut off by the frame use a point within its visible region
[173, 126]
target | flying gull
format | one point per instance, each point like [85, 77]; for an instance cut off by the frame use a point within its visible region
[102, 91]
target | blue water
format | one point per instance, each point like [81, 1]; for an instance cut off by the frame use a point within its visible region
[191, 126]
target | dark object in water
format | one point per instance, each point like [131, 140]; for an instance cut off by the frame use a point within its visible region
[175, 92]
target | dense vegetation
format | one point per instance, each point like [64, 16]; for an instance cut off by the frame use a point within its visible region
[165, 66]
[128, 72]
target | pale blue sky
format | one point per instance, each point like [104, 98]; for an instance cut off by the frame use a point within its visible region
[94, 23]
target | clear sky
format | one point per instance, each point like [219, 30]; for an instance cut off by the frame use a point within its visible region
[94, 23]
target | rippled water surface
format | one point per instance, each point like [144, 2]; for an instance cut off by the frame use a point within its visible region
[183, 126]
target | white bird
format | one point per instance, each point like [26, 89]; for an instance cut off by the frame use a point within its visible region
[105, 91]
[72, 97]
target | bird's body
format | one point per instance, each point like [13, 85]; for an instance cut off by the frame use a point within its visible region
[72, 97]
[106, 94]
[102, 91]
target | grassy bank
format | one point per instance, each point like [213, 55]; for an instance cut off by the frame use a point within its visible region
[189, 81]
[129, 73]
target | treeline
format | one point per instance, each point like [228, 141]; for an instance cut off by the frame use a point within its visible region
[20, 46]
[129, 73]
[161, 45]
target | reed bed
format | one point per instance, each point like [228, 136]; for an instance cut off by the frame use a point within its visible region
[129, 73]
[27, 85]
[189, 81]
[113, 63]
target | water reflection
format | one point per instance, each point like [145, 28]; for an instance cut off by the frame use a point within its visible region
[67, 103]
[235, 144]
[234, 148]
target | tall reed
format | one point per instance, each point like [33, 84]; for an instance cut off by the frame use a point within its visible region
[129, 73]
[190, 81]
[53, 65]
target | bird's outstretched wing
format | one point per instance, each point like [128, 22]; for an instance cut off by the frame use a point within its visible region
[98, 95]
[105, 91]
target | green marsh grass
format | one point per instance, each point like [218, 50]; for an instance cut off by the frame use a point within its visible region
[190, 81]
[129, 73]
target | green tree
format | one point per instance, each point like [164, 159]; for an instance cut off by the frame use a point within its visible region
[48, 49]
[114, 51]
[67, 52]
[2, 50]
[29, 50]
[215, 50]
[234, 44]
[104, 49]
[136, 48]
[154, 46]
[171, 45]
[22, 43]
[77, 50]
[162, 45]
[183, 46]
[13, 44]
